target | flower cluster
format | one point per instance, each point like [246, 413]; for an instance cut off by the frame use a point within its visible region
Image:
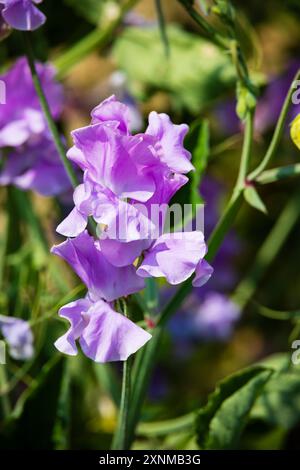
[28, 157]
[125, 176]
[22, 14]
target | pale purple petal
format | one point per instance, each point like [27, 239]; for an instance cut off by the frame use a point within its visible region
[74, 224]
[102, 279]
[122, 253]
[169, 139]
[202, 274]
[112, 110]
[102, 152]
[174, 256]
[110, 336]
[23, 15]
[73, 312]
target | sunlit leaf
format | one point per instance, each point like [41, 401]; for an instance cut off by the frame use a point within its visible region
[220, 423]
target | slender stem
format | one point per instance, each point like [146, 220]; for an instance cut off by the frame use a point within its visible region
[6, 408]
[246, 152]
[143, 367]
[276, 174]
[213, 35]
[277, 133]
[96, 39]
[162, 27]
[121, 439]
[46, 109]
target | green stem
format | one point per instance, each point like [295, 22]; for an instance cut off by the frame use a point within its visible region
[213, 35]
[276, 174]
[277, 133]
[246, 152]
[96, 39]
[162, 27]
[120, 441]
[6, 408]
[46, 109]
[143, 367]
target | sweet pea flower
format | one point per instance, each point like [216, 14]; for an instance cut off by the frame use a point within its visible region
[22, 14]
[124, 176]
[103, 334]
[21, 118]
[213, 319]
[29, 159]
[18, 336]
[35, 166]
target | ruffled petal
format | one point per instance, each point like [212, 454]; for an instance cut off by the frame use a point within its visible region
[169, 142]
[73, 312]
[110, 336]
[74, 224]
[174, 256]
[102, 279]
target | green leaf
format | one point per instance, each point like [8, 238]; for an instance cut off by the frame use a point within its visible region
[32, 423]
[279, 404]
[254, 200]
[220, 423]
[191, 83]
[197, 141]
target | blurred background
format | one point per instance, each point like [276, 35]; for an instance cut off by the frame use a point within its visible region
[70, 402]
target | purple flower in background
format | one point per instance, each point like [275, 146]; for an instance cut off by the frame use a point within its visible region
[21, 118]
[216, 317]
[30, 159]
[212, 319]
[35, 166]
[22, 14]
[18, 336]
[103, 334]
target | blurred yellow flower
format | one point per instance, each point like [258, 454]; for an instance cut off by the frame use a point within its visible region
[295, 131]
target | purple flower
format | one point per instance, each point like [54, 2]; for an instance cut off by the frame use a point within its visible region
[31, 160]
[106, 151]
[22, 14]
[35, 166]
[19, 337]
[213, 319]
[216, 316]
[103, 334]
[21, 118]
